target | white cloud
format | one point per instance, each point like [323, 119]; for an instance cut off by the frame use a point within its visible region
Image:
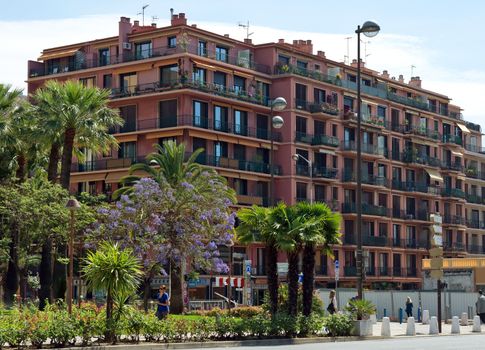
[24, 40]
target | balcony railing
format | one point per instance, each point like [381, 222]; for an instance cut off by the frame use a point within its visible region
[411, 186]
[410, 214]
[453, 192]
[473, 126]
[323, 107]
[454, 166]
[375, 241]
[316, 139]
[475, 249]
[183, 83]
[317, 171]
[368, 179]
[367, 209]
[477, 224]
[421, 131]
[350, 271]
[409, 156]
[473, 198]
[452, 139]
[454, 246]
[474, 148]
[369, 119]
[236, 164]
[408, 101]
[365, 148]
[454, 220]
[106, 164]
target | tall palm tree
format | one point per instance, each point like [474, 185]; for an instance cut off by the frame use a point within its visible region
[322, 231]
[115, 271]
[75, 116]
[169, 164]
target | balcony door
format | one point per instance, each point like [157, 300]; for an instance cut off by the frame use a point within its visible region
[168, 113]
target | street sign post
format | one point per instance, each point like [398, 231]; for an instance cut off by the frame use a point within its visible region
[247, 283]
[337, 272]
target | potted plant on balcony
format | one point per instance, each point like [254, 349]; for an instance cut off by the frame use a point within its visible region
[470, 171]
[360, 311]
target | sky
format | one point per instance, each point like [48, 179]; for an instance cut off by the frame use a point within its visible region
[441, 39]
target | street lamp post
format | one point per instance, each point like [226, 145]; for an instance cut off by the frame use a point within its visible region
[369, 29]
[297, 156]
[278, 104]
[72, 205]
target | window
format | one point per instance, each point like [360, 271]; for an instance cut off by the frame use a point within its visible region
[301, 99]
[301, 191]
[317, 67]
[381, 111]
[200, 116]
[348, 104]
[302, 65]
[301, 125]
[334, 130]
[240, 122]
[241, 186]
[103, 55]
[283, 60]
[239, 84]
[143, 50]
[128, 113]
[168, 113]
[319, 127]
[221, 121]
[220, 80]
[352, 78]
[127, 150]
[202, 48]
[319, 96]
[88, 82]
[222, 53]
[239, 152]
[168, 75]
[320, 193]
[107, 81]
[128, 82]
[263, 90]
[53, 66]
[220, 150]
[172, 41]
[199, 75]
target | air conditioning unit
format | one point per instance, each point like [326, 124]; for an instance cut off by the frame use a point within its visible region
[126, 46]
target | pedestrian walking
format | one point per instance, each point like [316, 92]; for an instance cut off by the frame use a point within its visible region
[163, 302]
[480, 306]
[332, 304]
[409, 307]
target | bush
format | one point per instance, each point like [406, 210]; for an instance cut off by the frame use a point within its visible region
[60, 325]
[338, 325]
[361, 309]
[317, 304]
[240, 311]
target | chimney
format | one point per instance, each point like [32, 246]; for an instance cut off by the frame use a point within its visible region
[304, 45]
[385, 74]
[354, 63]
[194, 25]
[281, 41]
[124, 29]
[226, 35]
[415, 81]
[136, 23]
[154, 25]
[248, 41]
[321, 53]
[401, 78]
[179, 19]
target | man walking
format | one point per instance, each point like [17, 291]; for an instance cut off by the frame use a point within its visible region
[163, 303]
[480, 306]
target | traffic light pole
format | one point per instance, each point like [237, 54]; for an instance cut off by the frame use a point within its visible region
[439, 306]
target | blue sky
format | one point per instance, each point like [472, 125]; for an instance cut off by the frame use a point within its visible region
[441, 38]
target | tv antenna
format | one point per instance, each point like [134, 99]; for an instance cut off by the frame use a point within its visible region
[142, 13]
[365, 50]
[246, 26]
[346, 57]
[154, 19]
[412, 69]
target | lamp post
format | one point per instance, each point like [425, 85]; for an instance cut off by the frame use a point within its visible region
[369, 29]
[72, 205]
[296, 157]
[278, 104]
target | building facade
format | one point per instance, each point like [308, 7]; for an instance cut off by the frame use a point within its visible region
[207, 90]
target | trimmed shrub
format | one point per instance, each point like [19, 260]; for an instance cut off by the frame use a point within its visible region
[338, 325]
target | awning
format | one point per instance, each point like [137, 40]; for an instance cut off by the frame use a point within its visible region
[369, 102]
[456, 153]
[412, 111]
[204, 65]
[86, 177]
[463, 128]
[65, 53]
[434, 175]
[165, 133]
[327, 151]
[203, 135]
[126, 138]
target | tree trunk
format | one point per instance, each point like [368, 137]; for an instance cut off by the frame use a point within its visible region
[12, 278]
[69, 135]
[308, 278]
[110, 334]
[45, 273]
[54, 157]
[21, 162]
[59, 284]
[272, 275]
[23, 284]
[146, 292]
[176, 286]
[293, 282]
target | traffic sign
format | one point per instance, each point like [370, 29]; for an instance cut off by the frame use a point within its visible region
[337, 272]
[247, 264]
[438, 240]
[337, 264]
[437, 229]
[300, 277]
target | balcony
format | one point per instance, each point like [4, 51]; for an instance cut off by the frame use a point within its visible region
[236, 164]
[454, 220]
[453, 192]
[375, 241]
[453, 246]
[183, 83]
[325, 140]
[473, 198]
[416, 103]
[476, 224]
[81, 64]
[456, 166]
[475, 249]
[474, 173]
[367, 119]
[411, 186]
[410, 214]
[411, 156]
[368, 179]
[318, 171]
[367, 209]
[452, 139]
[321, 270]
[421, 131]
[365, 148]
[106, 164]
[475, 148]
[323, 107]
[350, 271]
[473, 126]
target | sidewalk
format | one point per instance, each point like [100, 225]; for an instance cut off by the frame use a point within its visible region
[398, 329]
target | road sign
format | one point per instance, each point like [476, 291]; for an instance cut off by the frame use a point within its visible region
[300, 277]
[282, 268]
[337, 264]
[438, 240]
[436, 218]
[247, 264]
[437, 274]
[437, 229]
[337, 271]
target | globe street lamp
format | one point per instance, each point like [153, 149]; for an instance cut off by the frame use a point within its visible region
[278, 104]
[297, 157]
[72, 205]
[369, 29]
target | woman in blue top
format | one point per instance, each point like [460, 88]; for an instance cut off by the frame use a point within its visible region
[163, 303]
[409, 307]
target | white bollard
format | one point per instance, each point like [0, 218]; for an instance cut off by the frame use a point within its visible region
[411, 328]
[373, 318]
[433, 325]
[386, 327]
[425, 317]
[477, 327]
[455, 325]
[464, 319]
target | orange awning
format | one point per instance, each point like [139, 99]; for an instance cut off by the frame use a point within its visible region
[51, 55]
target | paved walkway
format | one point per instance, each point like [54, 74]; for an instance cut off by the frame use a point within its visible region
[398, 329]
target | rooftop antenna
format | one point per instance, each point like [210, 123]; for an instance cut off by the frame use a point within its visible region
[154, 19]
[142, 13]
[346, 57]
[365, 50]
[412, 69]
[246, 26]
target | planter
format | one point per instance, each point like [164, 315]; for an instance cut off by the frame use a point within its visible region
[362, 328]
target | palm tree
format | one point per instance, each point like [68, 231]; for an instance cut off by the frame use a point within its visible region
[74, 115]
[168, 165]
[322, 230]
[115, 271]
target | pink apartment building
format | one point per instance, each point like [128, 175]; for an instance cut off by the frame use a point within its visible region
[208, 90]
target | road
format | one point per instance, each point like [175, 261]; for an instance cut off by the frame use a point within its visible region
[463, 342]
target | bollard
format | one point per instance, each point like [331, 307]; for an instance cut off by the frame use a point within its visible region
[464, 319]
[373, 318]
[400, 315]
[410, 328]
[477, 328]
[386, 327]
[425, 316]
[433, 325]
[419, 314]
[385, 312]
[455, 325]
